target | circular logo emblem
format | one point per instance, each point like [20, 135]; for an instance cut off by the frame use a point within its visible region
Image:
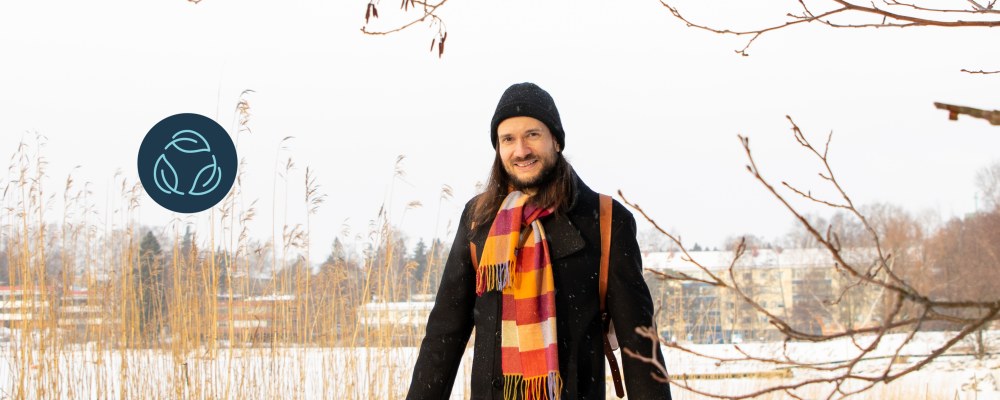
[187, 163]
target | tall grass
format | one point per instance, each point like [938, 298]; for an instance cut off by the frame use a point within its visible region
[214, 314]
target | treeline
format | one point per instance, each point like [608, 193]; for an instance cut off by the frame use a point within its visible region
[156, 288]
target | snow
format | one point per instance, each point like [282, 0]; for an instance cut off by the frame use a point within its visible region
[87, 372]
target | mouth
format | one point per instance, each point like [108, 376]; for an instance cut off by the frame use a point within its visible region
[526, 163]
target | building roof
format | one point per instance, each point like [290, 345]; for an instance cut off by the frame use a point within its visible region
[759, 258]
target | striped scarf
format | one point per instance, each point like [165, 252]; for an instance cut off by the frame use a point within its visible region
[521, 269]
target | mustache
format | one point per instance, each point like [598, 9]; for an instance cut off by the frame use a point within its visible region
[520, 159]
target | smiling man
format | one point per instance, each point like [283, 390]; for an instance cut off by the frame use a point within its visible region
[524, 272]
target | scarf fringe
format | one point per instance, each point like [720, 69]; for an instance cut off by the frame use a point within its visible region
[545, 387]
[493, 277]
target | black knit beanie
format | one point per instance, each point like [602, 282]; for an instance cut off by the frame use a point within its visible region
[528, 100]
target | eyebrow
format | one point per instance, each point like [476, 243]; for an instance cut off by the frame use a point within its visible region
[509, 134]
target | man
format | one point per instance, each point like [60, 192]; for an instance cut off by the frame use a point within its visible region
[524, 270]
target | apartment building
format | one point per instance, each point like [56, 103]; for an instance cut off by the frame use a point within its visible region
[800, 286]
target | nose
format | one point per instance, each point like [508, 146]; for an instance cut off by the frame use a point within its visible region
[521, 149]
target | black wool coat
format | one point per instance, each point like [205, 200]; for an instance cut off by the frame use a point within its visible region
[574, 246]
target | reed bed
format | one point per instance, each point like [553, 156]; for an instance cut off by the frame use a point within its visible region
[98, 306]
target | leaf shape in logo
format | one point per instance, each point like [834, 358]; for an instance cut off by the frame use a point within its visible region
[165, 176]
[189, 141]
[216, 176]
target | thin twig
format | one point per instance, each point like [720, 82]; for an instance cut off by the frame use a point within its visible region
[839, 16]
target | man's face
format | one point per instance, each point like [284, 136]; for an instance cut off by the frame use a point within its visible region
[528, 151]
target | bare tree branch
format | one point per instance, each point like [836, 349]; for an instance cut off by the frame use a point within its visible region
[875, 357]
[979, 72]
[954, 111]
[427, 12]
[893, 14]
[976, 8]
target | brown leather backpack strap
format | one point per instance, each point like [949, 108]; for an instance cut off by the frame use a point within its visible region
[605, 202]
[616, 376]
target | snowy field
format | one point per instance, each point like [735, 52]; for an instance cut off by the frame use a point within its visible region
[953, 375]
[86, 372]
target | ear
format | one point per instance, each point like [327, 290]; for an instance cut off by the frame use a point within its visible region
[558, 149]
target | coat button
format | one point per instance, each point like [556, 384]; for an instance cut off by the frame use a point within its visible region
[499, 335]
[498, 383]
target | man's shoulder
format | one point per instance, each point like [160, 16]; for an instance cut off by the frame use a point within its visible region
[588, 201]
[469, 209]
[471, 203]
[621, 216]
[617, 208]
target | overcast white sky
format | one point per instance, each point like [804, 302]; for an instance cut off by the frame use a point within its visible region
[649, 106]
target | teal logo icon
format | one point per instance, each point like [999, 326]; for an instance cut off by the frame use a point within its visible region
[187, 163]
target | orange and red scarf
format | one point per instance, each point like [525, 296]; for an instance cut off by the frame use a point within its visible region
[516, 262]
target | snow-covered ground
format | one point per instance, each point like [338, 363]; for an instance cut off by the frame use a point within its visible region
[87, 372]
[953, 375]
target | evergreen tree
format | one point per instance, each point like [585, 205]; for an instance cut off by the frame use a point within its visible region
[339, 254]
[420, 271]
[342, 281]
[4, 267]
[186, 243]
[439, 255]
[222, 260]
[147, 277]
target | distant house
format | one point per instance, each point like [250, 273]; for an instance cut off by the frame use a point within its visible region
[396, 323]
[256, 319]
[31, 306]
[79, 308]
[19, 304]
[799, 286]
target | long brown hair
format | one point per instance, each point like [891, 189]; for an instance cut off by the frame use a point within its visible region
[555, 192]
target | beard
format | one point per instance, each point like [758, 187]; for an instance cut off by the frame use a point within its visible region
[544, 177]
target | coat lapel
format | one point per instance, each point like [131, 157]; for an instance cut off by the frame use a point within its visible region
[564, 238]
